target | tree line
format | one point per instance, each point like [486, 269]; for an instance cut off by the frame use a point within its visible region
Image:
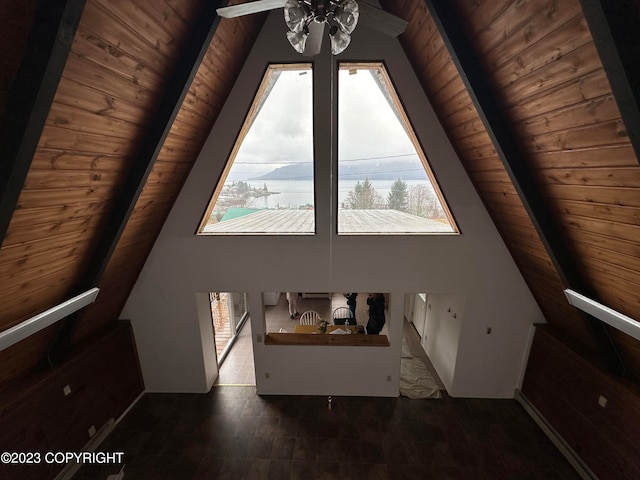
[417, 200]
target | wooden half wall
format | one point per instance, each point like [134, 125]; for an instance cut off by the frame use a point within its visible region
[36, 415]
[566, 389]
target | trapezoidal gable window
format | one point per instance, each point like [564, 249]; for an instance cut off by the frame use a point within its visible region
[385, 185]
[266, 187]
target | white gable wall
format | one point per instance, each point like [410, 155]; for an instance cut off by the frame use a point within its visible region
[474, 268]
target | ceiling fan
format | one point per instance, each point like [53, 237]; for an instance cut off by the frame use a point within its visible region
[308, 19]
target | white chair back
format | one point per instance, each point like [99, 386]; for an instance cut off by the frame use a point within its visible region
[309, 317]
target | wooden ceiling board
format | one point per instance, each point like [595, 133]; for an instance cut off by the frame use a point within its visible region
[597, 177]
[483, 13]
[107, 96]
[49, 231]
[619, 214]
[93, 49]
[624, 197]
[211, 85]
[555, 35]
[468, 144]
[584, 228]
[597, 110]
[620, 155]
[516, 24]
[166, 15]
[59, 282]
[458, 102]
[475, 148]
[576, 91]
[595, 135]
[562, 42]
[115, 94]
[565, 122]
[625, 278]
[576, 64]
[41, 216]
[104, 37]
[148, 26]
[551, 85]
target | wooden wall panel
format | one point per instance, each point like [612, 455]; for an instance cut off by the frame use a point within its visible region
[565, 389]
[36, 416]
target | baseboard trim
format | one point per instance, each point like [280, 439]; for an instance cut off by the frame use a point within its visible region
[572, 457]
[70, 469]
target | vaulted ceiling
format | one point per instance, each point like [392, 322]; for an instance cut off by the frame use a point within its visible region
[105, 105]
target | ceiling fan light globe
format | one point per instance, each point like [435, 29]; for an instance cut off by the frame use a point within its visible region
[346, 16]
[295, 15]
[339, 41]
[298, 40]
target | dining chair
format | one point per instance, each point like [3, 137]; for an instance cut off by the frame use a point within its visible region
[309, 317]
[341, 314]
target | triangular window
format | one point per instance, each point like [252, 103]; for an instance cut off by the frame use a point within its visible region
[385, 185]
[267, 185]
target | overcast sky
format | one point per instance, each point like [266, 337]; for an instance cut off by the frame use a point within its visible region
[282, 131]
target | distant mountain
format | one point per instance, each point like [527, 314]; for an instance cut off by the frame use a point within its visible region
[298, 171]
[373, 170]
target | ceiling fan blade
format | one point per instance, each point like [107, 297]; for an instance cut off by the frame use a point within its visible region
[382, 21]
[233, 11]
[314, 41]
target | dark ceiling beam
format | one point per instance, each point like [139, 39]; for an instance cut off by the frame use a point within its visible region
[31, 94]
[615, 28]
[498, 127]
[175, 92]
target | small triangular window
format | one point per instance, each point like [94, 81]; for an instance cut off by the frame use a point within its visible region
[385, 184]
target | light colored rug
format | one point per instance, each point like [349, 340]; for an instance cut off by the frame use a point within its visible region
[415, 379]
[406, 352]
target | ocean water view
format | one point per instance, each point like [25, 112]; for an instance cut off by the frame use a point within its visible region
[296, 193]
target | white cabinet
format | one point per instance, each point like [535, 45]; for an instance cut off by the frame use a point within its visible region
[420, 312]
[271, 298]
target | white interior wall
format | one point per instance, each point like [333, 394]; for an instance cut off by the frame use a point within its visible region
[474, 265]
[443, 323]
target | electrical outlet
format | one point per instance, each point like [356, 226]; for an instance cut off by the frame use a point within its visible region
[92, 430]
[66, 390]
[602, 401]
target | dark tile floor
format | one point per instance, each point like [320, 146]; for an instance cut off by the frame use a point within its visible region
[232, 433]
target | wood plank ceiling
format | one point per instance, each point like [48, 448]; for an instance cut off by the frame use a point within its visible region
[550, 86]
[114, 80]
